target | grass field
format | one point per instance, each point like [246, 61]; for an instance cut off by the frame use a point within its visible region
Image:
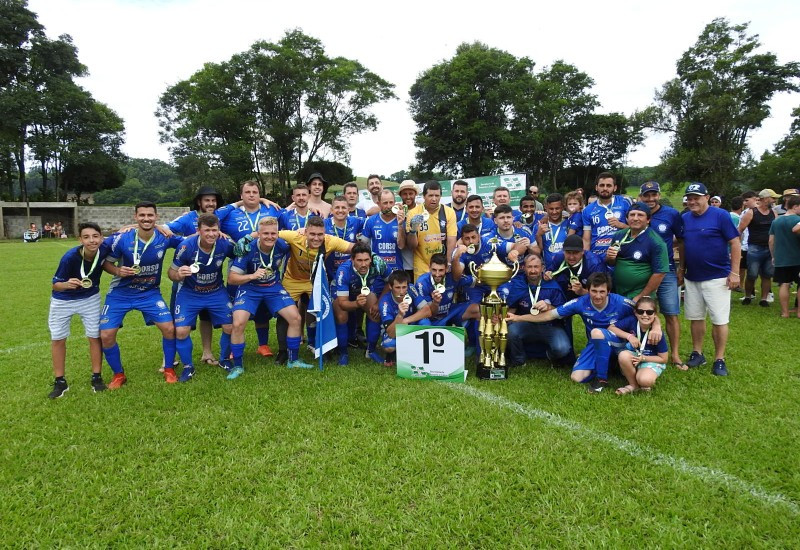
[354, 457]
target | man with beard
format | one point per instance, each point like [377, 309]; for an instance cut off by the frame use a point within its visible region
[386, 231]
[475, 216]
[605, 216]
[374, 186]
[437, 289]
[458, 198]
[572, 267]
[293, 219]
[552, 229]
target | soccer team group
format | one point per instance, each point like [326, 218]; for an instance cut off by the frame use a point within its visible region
[411, 261]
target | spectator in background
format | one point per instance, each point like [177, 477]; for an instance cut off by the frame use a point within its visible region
[759, 260]
[749, 200]
[48, 230]
[32, 235]
[781, 208]
[784, 244]
[533, 191]
[716, 201]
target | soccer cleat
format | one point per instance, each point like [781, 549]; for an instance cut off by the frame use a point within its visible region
[375, 357]
[98, 384]
[235, 373]
[747, 300]
[597, 385]
[226, 365]
[264, 351]
[298, 364]
[117, 381]
[59, 389]
[353, 343]
[282, 357]
[186, 374]
[719, 368]
[696, 359]
[169, 376]
[344, 359]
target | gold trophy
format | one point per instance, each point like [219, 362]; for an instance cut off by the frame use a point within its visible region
[493, 336]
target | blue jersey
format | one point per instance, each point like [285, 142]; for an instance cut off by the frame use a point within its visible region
[426, 286]
[590, 263]
[237, 222]
[705, 243]
[486, 228]
[274, 260]
[553, 240]
[209, 278]
[631, 326]
[352, 227]
[668, 224]
[383, 240]
[349, 283]
[596, 222]
[575, 223]
[389, 308]
[358, 213]
[529, 225]
[70, 268]
[292, 221]
[484, 253]
[185, 224]
[151, 260]
[461, 213]
[520, 294]
[518, 234]
[617, 308]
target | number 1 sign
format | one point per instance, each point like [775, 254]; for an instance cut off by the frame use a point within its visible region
[431, 353]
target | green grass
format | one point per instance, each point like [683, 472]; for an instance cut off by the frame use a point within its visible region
[356, 457]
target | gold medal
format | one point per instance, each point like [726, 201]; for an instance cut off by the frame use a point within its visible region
[610, 215]
[365, 291]
[268, 272]
[534, 311]
[86, 282]
[573, 280]
[136, 269]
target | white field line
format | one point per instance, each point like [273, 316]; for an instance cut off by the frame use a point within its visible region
[703, 473]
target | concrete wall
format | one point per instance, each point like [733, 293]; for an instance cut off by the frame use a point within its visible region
[15, 226]
[110, 218]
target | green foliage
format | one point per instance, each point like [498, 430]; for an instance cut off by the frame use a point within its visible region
[335, 173]
[270, 110]
[780, 168]
[720, 94]
[147, 179]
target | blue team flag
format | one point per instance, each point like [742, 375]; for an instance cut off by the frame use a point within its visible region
[322, 307]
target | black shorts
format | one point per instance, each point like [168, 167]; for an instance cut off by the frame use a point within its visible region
[787, 274]
[743, 261]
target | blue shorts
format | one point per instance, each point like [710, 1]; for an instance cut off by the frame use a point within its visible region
[669, 300]
[475, 294]
[453, 316]
[261, 316]
[586, 359]
[189, 303]
[759, 262]
[250, 297]
[150, 303]
[389, 342]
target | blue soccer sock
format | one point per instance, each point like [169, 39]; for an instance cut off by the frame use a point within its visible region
[238, 352]
[602, 353]
[168, 345]
[113, 359]
[224, 347]
[184, 346]
[373, 332]
[293, 343]
[341, 336]
[263, 336]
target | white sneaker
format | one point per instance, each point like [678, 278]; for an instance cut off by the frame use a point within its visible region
[770, 297]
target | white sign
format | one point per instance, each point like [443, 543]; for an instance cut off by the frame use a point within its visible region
[426, 352]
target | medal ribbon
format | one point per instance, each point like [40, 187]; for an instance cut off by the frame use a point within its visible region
[210, 256]
[253, 224]
[261, 258]
[554, 234]
[336, 229]
[363, 279]
[137, 258]
[564, 265]
[625, 239]
[305, 220]
[642, 339]
[534, 299]
[85, 275]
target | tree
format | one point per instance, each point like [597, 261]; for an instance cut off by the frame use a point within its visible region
[781, 167]
[271, 109]
[334, 172]
[720, 94]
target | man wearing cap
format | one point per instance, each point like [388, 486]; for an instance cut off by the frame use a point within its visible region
[668, 224]
[759, 260]
[572, 267]
[374, 186]
[639, 256]
[408, 197]
[317, 185]
[784, 243]
[781, 208]
[708, 273]
[605, 216]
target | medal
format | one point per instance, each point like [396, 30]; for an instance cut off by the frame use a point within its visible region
[573, 280]
[137, 258]
[194, 268]
[440, 288]
[534, 311]
[425, 215]
[268, 272]
[136, 269]
[610, 215]
[395, 209]
[472, 249]
[365, 291]
[86, 282]
[407, 299]
[85, 276]
[552, 248]
[364, 287]
[534, 299]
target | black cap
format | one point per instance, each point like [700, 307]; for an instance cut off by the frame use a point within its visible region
[572, 243]
[317, 175]
[207, 191]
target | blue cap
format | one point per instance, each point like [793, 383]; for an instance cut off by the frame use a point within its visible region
[641, 206]
[649, 186]
[696, 188]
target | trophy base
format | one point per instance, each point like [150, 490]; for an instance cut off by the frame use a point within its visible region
[492, 373]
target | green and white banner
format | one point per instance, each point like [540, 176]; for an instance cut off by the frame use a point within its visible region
[485, 186]
[431, 353]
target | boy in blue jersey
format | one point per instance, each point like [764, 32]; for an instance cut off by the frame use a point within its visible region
[76, 291]
[474, 251]
[507, 233]
[605, 216]
[400, 306]
[344, 226]
[259, 273]
[197, 268]
[135, 261]
[357, 285]
[551, 231]
[528, 296]
[475, 216]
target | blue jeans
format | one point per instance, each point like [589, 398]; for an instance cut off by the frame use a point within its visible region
[554, 337]
[759, 262]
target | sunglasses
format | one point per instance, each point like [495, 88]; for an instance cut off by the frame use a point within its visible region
[646, 311]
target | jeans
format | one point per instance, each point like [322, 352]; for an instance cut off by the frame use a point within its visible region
[521, 333]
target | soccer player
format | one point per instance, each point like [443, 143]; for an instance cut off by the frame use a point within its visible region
[400, 306]
[553, 228]
[527, 216]
[475, 216]
[527, 296]
[500, 196]
[135, 261]
[386, 231]
[430, 228]
[458, 197]
[357, 286]
[605, 216]
[296, 218]
[303, 250]
[259, 274]
[197, 268]
[350, 192]
[507, 233]
[344, 226]
[572, 267]
[408, 197]
[641, 363]
[76, 291]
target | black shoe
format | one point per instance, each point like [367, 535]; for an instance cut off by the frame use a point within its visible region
[719, 368]
[747, 300]
[763, 303]
[361, 338]
[597, 385]
[59, 389]
[696, 359]
[282, 358]
[98, 384]
[353, 343]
